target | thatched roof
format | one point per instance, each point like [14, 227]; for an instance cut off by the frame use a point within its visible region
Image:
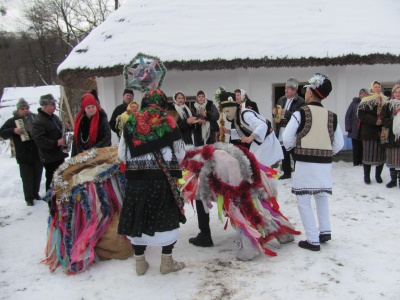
[228, 34]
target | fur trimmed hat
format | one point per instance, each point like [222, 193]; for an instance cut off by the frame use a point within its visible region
[22, 103]
[292, 83]
[47, 99]
[320, 86]
[227, 99]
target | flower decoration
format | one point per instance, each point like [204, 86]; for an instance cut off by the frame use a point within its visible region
[144, 72]
[218, 92]
[149, 125]
[316, 81]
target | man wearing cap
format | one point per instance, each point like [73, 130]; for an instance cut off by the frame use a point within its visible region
[48, 135]
[315, 135]
[289, 104]
[127, 98]
[27, 155]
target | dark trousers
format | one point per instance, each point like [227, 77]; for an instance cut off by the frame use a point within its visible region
[203, 218]
[31, 175]
[50, 169]
[139, 249]
[286, 166]
[357, 152]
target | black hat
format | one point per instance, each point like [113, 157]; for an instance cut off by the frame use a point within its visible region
[128, 91]
[227, 99]
[320, 86]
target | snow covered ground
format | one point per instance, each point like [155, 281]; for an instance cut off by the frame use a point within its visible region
[361, 262]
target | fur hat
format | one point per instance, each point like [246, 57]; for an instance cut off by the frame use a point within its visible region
[227, 99]
[320, 86]
[47, 99]
[292, 83]
[128, 91]
[22, 103]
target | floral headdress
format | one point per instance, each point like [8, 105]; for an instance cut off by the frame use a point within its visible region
[151, 128]
[320, 85]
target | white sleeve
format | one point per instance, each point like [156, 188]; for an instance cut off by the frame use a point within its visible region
[122, 148]
[179, 149]
[289, 134]
[258, 126]
[234, 134]
[338, 140]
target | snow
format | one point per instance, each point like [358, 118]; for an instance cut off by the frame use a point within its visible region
[226, 29]
[361, 262]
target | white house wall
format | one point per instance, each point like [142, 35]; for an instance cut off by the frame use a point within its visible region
[259, 84]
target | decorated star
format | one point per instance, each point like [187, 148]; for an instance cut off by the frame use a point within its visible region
[142, 75]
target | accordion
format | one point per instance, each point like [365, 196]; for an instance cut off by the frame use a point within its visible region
[25, 124]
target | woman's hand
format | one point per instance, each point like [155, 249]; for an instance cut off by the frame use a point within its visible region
[192, 120]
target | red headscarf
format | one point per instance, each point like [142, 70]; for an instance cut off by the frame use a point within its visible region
[88, 99]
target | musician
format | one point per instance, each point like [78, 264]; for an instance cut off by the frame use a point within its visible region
[27, 155]
[48, 135]
[289, 104]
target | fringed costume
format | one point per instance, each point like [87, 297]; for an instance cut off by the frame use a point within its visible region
[231, 176]
[84, 211]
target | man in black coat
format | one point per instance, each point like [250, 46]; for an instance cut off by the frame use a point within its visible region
[48, 136]
[351, 126]
[27, 155]
[127, 98]
[289, 104]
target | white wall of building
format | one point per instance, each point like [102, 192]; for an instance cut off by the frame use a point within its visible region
[259, 84]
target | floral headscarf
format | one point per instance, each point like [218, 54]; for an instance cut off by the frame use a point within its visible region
[151, 128]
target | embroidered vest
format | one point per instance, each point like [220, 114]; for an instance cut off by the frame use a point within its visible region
[247, 131]
[314, 141]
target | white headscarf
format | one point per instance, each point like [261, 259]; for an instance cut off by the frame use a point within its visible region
[180, 109]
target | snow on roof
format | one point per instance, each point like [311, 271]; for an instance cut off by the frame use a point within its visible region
[30, 94]
[203, 30]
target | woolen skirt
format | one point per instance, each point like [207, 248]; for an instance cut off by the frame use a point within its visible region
[149, 207]
[373, 153]
[393, 157]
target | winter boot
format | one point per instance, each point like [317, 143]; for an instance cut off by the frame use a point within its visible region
[141, 265]
[393, 178]
[378, 172]
[202, 240]
[367, 170]
[168, 264]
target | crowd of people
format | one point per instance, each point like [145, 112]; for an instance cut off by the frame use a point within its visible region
[154, 137]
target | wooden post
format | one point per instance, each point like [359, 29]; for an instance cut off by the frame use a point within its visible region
[68, 108]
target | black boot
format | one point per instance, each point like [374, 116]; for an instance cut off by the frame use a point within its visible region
[378, 172]
[202, 240]
[393, 178]
[367, 170]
